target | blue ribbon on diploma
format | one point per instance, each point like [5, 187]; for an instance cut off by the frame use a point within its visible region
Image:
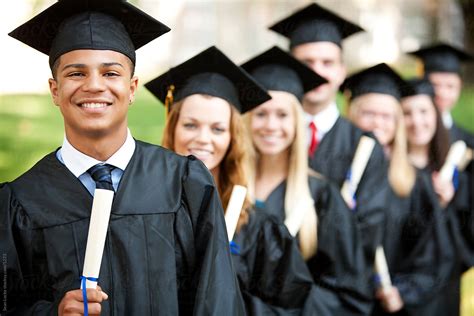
[456, 179]
[354, 200]
[84, 291]
[377, 279]
[234, 248]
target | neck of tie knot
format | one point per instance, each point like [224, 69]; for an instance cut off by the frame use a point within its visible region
[102, 175]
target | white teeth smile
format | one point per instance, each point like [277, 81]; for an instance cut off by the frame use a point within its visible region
[200, 152]
[94, 105]
[270, 138]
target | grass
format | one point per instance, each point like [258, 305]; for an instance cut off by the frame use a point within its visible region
[31, 126]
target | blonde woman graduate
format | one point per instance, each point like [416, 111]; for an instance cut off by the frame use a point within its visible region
[428, 146]
[209, 92]
[414, 229]
[282, 184]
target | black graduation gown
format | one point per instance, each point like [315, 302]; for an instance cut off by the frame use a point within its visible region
[462, 220]
[166, 251]
[446, 298]
[339, 265]
[416, 246]
[333, 159]
[458, 133]
[272, 275]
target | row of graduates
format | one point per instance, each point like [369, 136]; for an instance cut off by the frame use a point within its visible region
[299, 248]
[421, 221]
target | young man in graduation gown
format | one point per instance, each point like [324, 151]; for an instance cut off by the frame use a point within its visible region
[166, 251]
[316, 36]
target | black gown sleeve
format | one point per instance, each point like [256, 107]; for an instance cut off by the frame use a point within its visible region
[441, 297]
[273, 276]
[26, 286]
[339, 264]
[371, 196]
[461, 221]
[421, 257]
[211, 288]
[462, 216]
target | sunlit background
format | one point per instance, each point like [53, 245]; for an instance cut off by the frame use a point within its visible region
[239, 28]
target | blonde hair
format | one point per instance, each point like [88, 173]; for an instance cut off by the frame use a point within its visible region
[234, 164]
[401, 173]
[297, 196]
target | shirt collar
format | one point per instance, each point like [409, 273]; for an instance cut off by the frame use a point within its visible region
[78, 163]
[325, 119]
[447, 120]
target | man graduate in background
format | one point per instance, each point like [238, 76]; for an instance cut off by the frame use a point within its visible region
[316, 36]
[166, 251]
[442, 67]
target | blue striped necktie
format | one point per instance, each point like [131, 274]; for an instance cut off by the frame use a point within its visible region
[102, 175]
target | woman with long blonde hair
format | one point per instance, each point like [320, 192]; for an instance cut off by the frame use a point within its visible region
[209, 93]
[282, 184]
[413, 216]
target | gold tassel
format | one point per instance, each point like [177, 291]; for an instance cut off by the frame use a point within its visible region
[420, 69]
[169, 100]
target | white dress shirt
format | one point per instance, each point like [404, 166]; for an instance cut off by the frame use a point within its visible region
[78, 163]
[447, 120]
[324, 121]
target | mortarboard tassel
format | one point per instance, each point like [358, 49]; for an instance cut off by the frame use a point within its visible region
[169, 101]
[420, 69]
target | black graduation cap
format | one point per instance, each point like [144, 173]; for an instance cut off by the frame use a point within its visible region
[213, 73]
[89, 24]
[315, 24]
[442, 57]
[276, 70]
[376, 79]
[417, 86]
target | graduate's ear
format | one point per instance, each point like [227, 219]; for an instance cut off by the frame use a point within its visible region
[133, 88]
[53, 88]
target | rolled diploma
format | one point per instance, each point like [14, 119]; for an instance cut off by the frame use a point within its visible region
[295, 220]
[361, 158]
[468, 156]
[455, 156]
[381, 267]
[99, 223]
[234, 208]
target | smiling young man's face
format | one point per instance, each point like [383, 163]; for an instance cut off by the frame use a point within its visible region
[93, 89]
